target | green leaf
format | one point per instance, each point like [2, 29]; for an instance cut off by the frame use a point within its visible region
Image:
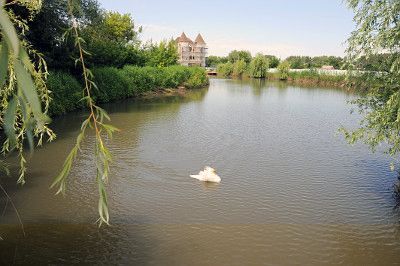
[8, 30]
[29, 136]
[26, 61]
[109, 129]
[3, 63]
[103, 204]
[25, 83]
[9, 119]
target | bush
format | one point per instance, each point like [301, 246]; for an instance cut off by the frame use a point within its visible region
[116, 84]
[108, 53]
[111, 83]
[198, 78]
[66, 93]
[239, 68]
[225, 70]
[273, 61]
[283, 70]
[259, 66]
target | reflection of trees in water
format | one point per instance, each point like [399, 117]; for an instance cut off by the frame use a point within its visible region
[158, 102]
[69, 123]
[258, 85]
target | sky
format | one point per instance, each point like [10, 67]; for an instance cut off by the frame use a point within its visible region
[277, 27]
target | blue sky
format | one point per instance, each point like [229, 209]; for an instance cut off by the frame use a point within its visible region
[279, 27]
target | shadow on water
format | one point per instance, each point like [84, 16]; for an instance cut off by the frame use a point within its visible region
[74, 244]
[67, 125]
[157, 102]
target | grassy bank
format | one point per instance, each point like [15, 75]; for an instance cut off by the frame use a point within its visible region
[315, 78]
[116, 84]
[312, 78]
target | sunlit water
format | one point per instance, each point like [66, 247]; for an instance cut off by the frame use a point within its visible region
[292, 191]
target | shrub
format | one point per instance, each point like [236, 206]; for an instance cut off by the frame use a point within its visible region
[283, 70]
[115, 84]
[225, 70]
[66, 93]
[198, 78]
[259, 66]
[239, 68]
[273, 61]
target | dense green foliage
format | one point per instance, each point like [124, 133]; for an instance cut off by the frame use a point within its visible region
[273, 61]
[319, 61]
[375, 62]
[377, 31]
[239, 55]
[66, 93]
[116, 84]
[111, 38]
[283, 70]
[303, 62]
[117, 27]
[314, 77]
[239, 68]
[214, 61]
[47, 29]
[162, 54]
[113, 41]
[225, 70]
[259, 66]
[23, 92]
[299, 62]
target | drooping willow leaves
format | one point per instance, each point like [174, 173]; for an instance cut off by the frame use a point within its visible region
[23, 88]
[96, 122]
[23, 74]
[377, 32]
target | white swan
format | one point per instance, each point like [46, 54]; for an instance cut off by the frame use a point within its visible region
[207, 175]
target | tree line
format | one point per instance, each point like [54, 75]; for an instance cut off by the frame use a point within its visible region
[375, 62]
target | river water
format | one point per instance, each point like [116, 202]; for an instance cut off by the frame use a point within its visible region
[292, 191]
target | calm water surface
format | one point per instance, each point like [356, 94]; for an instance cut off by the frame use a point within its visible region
[292, 191]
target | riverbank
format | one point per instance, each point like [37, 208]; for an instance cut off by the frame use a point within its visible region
[115, 84]
[163, 92]
[321, 79]
[312, 78]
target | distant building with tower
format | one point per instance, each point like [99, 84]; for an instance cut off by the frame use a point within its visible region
[192, 53]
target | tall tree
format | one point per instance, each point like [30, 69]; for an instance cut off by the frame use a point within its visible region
[46, 31]
[162, 54]
[259, 66]
[113, 41]
[273, 61]
[214, 61]
[115, 27]
[239, 55]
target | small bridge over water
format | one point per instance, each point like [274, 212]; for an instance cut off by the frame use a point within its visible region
[211, 71]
